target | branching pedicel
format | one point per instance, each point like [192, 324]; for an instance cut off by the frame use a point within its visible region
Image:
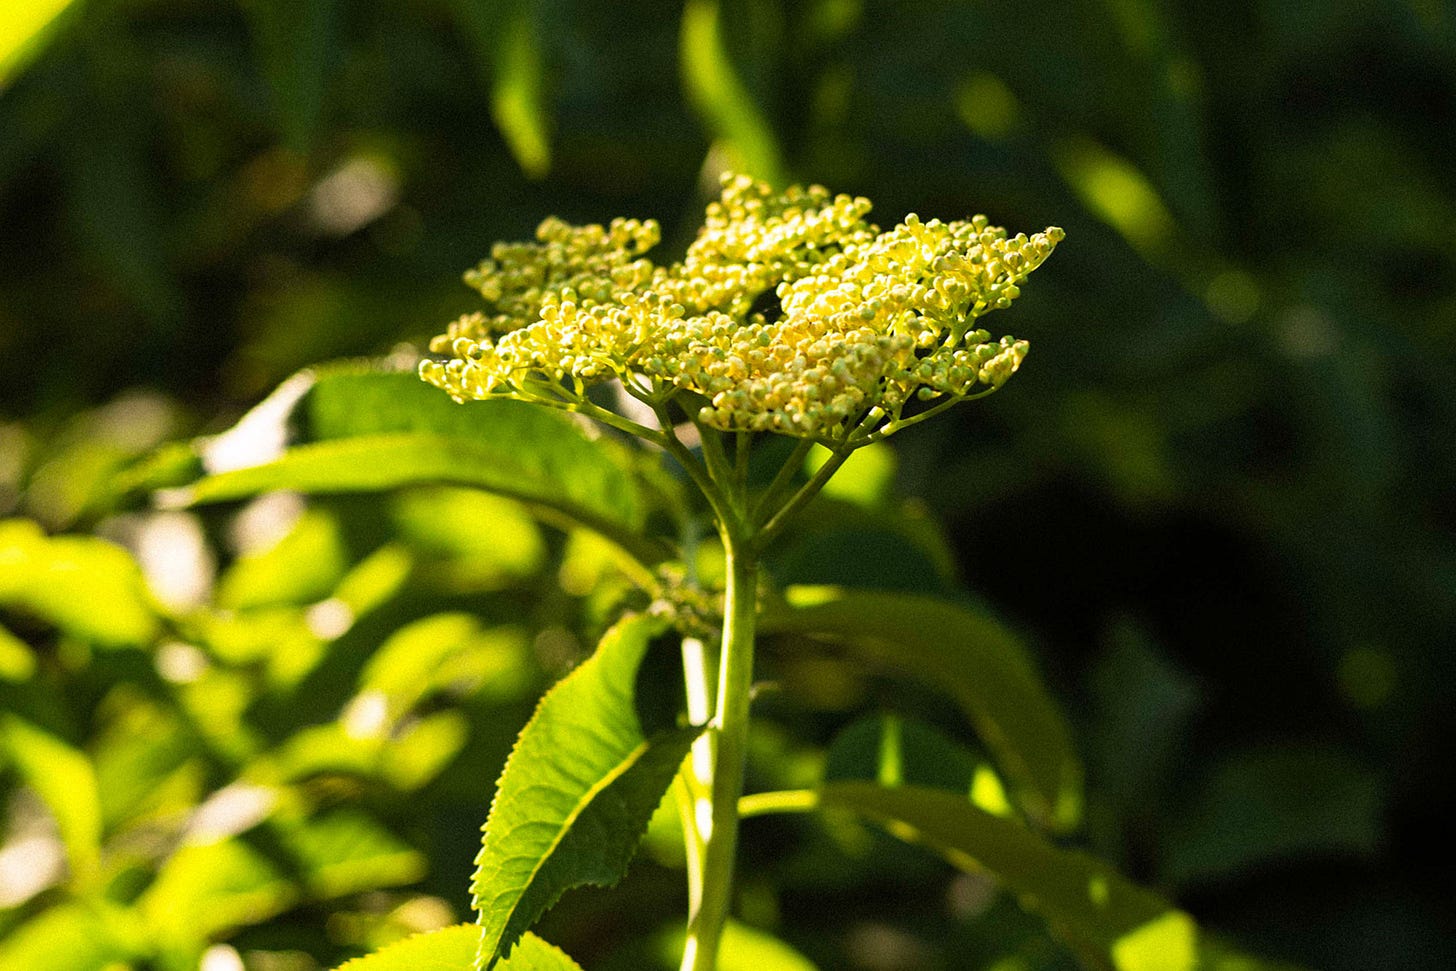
[789, 314]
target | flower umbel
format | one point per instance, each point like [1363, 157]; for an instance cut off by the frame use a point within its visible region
[790, 313]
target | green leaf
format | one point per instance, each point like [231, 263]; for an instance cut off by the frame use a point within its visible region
[301, 568]
[85, 586]
[721, 97]
[296, 42]
[64, 779]
[971, 657]
[895, 751]
[17, 660]
[743, 949]
[348, 852]
[517, 94]
[74, 936]
[1273, 804]
[204, 889]
[439, 651]
[507, 41]
[454, 949]
[1124, 926]
[24, 30]
[576, 793]
[368, 431]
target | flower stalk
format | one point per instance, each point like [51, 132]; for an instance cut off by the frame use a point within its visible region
[717, 830]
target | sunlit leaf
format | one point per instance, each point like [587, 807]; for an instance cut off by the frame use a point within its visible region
[17, 660]
[367, 431]
[348, 852]
[374, 580]
[76, 936]
[972, 658]
[475, 539]
[422, 751]
[454, 949]
[145, 761]
[517, 96]
[302, 567]
[721, 97]
[203, 889]
[1084, 899]
[893, 751]
[867, 479]
[64, 778]
[1121, 196]
[743, 948]
[576, 793]
[85, 586]
[24, 29]
[437, 652]
[507, 42]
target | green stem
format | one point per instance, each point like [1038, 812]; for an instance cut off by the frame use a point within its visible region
[695, 469]
[783, 479]
[729, 731]
[800, 499]
[786, 801]
[931, 412]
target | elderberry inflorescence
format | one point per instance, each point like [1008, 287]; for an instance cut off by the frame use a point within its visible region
[861, 321]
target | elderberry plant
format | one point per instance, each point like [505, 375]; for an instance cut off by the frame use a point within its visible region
[791, 316]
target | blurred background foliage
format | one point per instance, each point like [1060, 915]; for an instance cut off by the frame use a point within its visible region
[1217, 502]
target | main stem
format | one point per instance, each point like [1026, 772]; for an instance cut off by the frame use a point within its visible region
[729, 733]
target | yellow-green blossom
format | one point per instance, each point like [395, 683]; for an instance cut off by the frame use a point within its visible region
[789, 313]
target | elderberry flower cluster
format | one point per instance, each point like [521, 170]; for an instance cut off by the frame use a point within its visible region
[789, 313]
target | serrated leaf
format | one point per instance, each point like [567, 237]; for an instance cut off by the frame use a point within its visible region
[576, 793]
[972, 658]
[1126, 927]
[361, 430]
[453, 949]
